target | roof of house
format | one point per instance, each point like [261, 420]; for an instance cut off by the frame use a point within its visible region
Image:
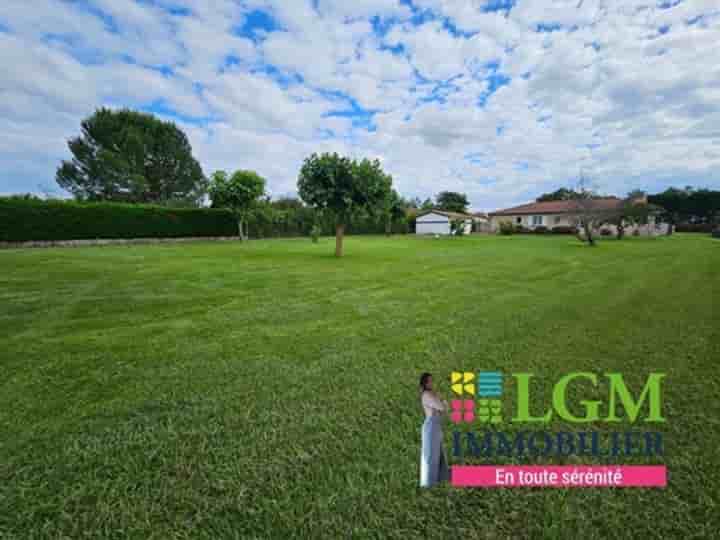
[558, 207]
[451, 215]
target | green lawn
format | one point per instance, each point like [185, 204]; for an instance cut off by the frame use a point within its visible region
[268, 390]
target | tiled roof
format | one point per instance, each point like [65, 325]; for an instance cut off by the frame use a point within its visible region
[451, 215]
[558, 207]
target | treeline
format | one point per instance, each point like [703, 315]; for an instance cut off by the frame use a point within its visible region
[288, 217]
[690, 209]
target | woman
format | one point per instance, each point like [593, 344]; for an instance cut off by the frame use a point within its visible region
[433, 464]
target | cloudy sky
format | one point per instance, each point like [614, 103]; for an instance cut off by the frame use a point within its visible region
[501, 99]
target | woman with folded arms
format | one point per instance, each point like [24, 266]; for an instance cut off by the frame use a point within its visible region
[433, 463]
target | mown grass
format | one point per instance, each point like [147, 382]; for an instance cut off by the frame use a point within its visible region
[268, 390]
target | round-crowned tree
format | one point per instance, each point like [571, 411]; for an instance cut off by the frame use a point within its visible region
[340, 186]
[238, 193]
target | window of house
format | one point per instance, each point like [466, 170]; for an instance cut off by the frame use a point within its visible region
[537, 220]
[518, 220]
[558, 219]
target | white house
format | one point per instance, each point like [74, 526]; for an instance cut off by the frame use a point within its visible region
[440, 221]
[548, 215]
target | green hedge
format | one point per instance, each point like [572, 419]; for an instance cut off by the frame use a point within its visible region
[23, 220]
[694, 227]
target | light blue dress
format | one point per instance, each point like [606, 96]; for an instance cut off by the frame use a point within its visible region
[433, 463]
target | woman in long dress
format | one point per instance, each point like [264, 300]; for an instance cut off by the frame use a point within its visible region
[433, 463]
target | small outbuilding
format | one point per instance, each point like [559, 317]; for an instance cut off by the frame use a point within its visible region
[440, 222]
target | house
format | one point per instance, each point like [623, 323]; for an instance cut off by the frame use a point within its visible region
[440, 222]
[563, 215]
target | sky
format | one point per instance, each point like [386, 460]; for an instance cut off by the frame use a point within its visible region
[499, 99]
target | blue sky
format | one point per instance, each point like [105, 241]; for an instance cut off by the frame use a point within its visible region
[500, 99]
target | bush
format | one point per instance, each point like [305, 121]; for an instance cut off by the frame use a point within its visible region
[694, 227]
[457, 227]
[605, 232]
[540, 229]
[564, 229]
[23, 220]
[506, 228]
[315, 233]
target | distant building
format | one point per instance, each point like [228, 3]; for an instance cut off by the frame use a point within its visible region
[440, 222]
[551, 214]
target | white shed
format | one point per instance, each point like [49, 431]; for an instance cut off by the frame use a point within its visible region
[439, 222]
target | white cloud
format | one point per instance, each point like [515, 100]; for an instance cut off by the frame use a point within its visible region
[627, 91]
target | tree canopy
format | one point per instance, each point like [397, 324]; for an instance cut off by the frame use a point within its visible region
[239, 193]
[452, 201]
[562, 194]
[124, 155]
[692, 205]
[341, 186]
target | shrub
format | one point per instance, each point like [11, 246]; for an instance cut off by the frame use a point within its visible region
[457, 227]
[694, 227]
[506, 228]
[605, 232]
[540, 229]
[24, 220]
[564, 229]
[315, 233]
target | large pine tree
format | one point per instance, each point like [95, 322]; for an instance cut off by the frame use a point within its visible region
[124, 155]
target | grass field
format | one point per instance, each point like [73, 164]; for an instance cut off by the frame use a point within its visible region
[268, 390]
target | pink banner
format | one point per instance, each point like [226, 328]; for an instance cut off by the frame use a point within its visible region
[564, 476]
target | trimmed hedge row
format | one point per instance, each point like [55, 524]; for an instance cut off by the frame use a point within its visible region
[26, 220]
[23, 220]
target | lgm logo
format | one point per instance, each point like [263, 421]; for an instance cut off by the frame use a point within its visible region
[486, 387]
[478, 396]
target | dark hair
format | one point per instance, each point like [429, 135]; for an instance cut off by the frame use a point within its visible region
[423, 382]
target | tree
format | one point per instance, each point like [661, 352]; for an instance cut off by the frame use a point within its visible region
[341, 186]
[287, 203]
[587, 212]
[631, 211]
[675, 203]
[452, 201]
[239, 193]
[427, 204]
[393, 210]
[688, 204]
[124, 155]
[562, 194]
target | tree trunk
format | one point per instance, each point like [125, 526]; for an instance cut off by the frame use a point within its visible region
[588, 233]
[241, 229]
[339, 234]
[388, 227]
